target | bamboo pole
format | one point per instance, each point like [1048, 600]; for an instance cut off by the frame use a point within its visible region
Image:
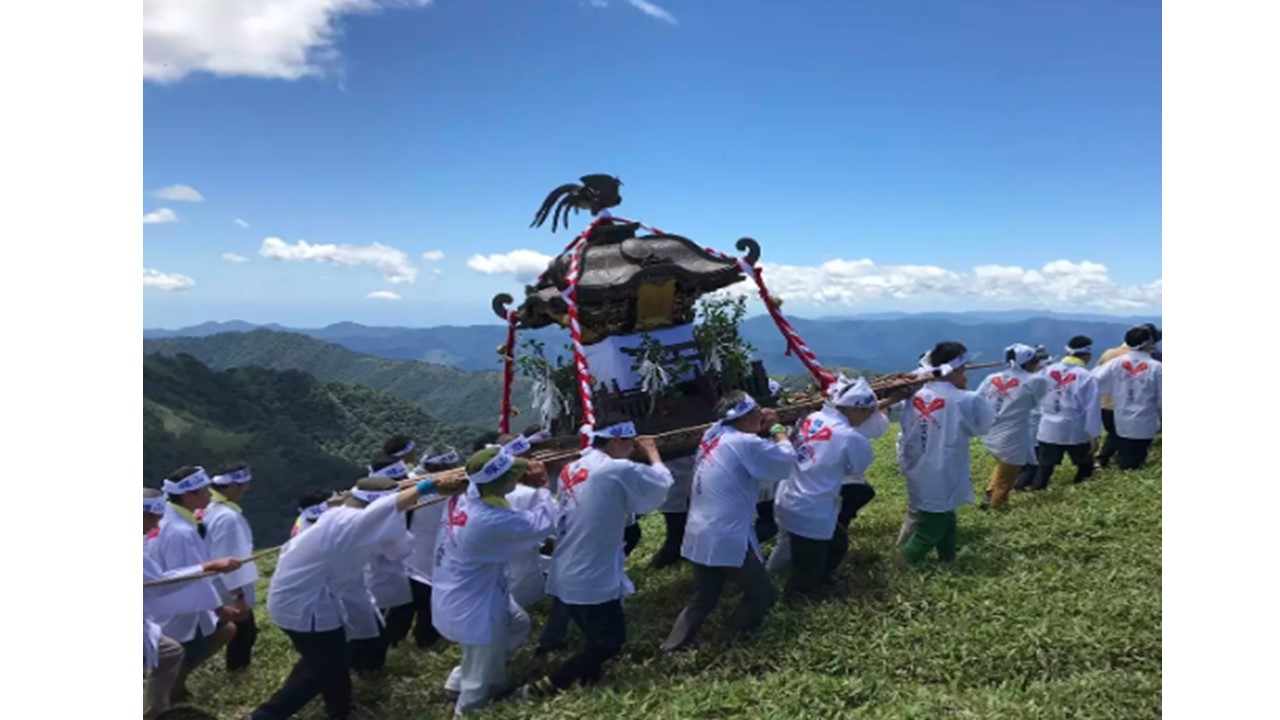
[185, 578]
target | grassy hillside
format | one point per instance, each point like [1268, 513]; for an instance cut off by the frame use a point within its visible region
[456, 396]
[1051, 611]
[294, 430]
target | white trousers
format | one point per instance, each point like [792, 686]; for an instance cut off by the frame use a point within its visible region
[483, 672]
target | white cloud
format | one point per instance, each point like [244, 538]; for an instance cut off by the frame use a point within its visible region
[433, 255]
[653, 11]
[278, 39]
[163, 215]
[524, 264]
[234, 258]
[391, 263]
[166, 281]
[1060, 284]
[241, 223]
[383, 295]
[179, 193]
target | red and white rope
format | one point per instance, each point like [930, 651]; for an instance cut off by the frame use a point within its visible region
[575, 333]
[795, 343]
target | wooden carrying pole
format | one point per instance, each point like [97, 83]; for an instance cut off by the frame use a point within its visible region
[683, 441]
[185, 578]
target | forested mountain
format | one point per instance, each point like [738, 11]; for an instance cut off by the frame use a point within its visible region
[294, 430]
[442, 392]
[878, 344]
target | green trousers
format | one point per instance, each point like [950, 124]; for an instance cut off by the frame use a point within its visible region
[931, 530]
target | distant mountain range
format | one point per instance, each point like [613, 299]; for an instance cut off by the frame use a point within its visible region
[882, 343]
[295, 431]
[442, 392]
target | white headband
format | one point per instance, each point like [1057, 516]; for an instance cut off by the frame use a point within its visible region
[742, 409]
[540, 436]
[313, 512]
[238, 477]
[494, 469]
[370, 495]
[194, 481]
[620, 430]
[1087, 349]
[946, 368]
[447, 458]
[396, 471]
[153, 505]
[519, 446]
[855, 394]
[1022, 354]
[404, 451]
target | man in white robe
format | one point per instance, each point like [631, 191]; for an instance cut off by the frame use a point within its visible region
[471, 603]
[831, 444]
[1015, 394]
[306, 595]
[181, 543]
[597, 493]
[386, 578]
[162, 656]
[733, 463]
[933, 453]
[1135, 381]
[229, 535]
[1070, 415]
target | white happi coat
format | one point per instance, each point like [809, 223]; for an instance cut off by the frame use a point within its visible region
[424, 527]
[1135, 383]
[166, 601]
[933, 445]
[319, 579]
[229, 535]
[1071, 411]
[726, 487]
[387, 575]
[1014, 395]
[179, 545]
[596, 494]
[828, 449]
[470, 598]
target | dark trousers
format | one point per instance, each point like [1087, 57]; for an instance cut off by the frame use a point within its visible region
[401, 618]
[814, 562]
[1051, 457]
[370, 654]
[758, 596]
[1028, 474]
[669, 553]
[604, 628]
[766, 526]
[631, 537]
[854, 497]
[555, 634]
[1109, 444]
[1131, 454]
[323, 669]
[240, 649]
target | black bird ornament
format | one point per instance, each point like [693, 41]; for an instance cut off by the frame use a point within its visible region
[595, 194]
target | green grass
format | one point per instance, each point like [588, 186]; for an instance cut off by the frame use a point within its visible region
[1051, 610]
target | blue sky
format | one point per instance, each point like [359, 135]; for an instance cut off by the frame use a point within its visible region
[928, 155]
